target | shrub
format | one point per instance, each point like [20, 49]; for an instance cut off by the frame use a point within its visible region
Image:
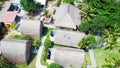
[36, 43]
[48, 43]
[45, 12]
[87, 42]
[53, 65]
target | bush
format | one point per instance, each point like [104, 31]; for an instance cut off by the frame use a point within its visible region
[45, 12]
[48, 43]
[53, 65]
[87, 42]
[36, 43]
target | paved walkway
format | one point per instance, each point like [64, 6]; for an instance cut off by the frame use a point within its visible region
[38, 64]
[92, 58]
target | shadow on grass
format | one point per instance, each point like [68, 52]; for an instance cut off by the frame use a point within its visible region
[45, 31]
[32, 57]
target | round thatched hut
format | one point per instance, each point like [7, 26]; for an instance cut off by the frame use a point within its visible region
[15, 51]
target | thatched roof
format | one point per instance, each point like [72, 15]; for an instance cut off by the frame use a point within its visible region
[68, 57]
[68, 16]
[15, 51]
[31, 27]
[68, 38]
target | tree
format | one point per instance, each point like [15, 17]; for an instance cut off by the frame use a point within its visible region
[53, 65]
[87, 42]
[99, 18]
[30, 5]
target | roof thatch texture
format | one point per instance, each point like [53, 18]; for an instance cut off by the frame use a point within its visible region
[68, 16]
[32, 28]
[68, 38]
[68, 57]
[15, 51]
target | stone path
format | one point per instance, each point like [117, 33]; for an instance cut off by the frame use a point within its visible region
[92, 58]
[38, 64]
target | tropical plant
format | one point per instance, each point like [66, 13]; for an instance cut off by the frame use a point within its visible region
[30, 5]
[53, 65]
[68, 1]
[87, 42]
[99, 18]
[112, 60]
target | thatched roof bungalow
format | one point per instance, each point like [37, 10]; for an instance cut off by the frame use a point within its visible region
[68, 57]
[67, 16]
[68, 38]
[15, 51]
[32, 28]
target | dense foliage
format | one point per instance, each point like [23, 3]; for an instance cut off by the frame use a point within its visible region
[112, 60]
[100, 15]
[30, 5]
[36, 43]
[47, 44]
[53, 65]
[87, 42]
[21, 37]
[69, 1]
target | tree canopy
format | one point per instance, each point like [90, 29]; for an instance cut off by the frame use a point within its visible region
[101, 15]
[87, 42]
[30, 5]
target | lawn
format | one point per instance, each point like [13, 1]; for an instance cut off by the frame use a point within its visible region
[59, 46]
[101, 53]
[31, 64]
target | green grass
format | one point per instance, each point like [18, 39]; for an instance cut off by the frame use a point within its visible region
[31, 64]
[59, 46]
[87, 57]
[21, 37]
[86, 60]
[101, 53]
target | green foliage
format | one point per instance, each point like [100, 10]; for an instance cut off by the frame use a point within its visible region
[48, 43]
[30, 5]
[36, 43]
[58, 2]
[21, 37]
[100, 15]
[112, 60]
[69, 1]
[43, 57]
[4, 64]
[87, 42]
[45, 12]
[53, 65]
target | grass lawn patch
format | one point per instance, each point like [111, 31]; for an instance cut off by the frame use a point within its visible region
[101, 53]
[21, 37]
[59, 46]
[31, 63]
[86, 60]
